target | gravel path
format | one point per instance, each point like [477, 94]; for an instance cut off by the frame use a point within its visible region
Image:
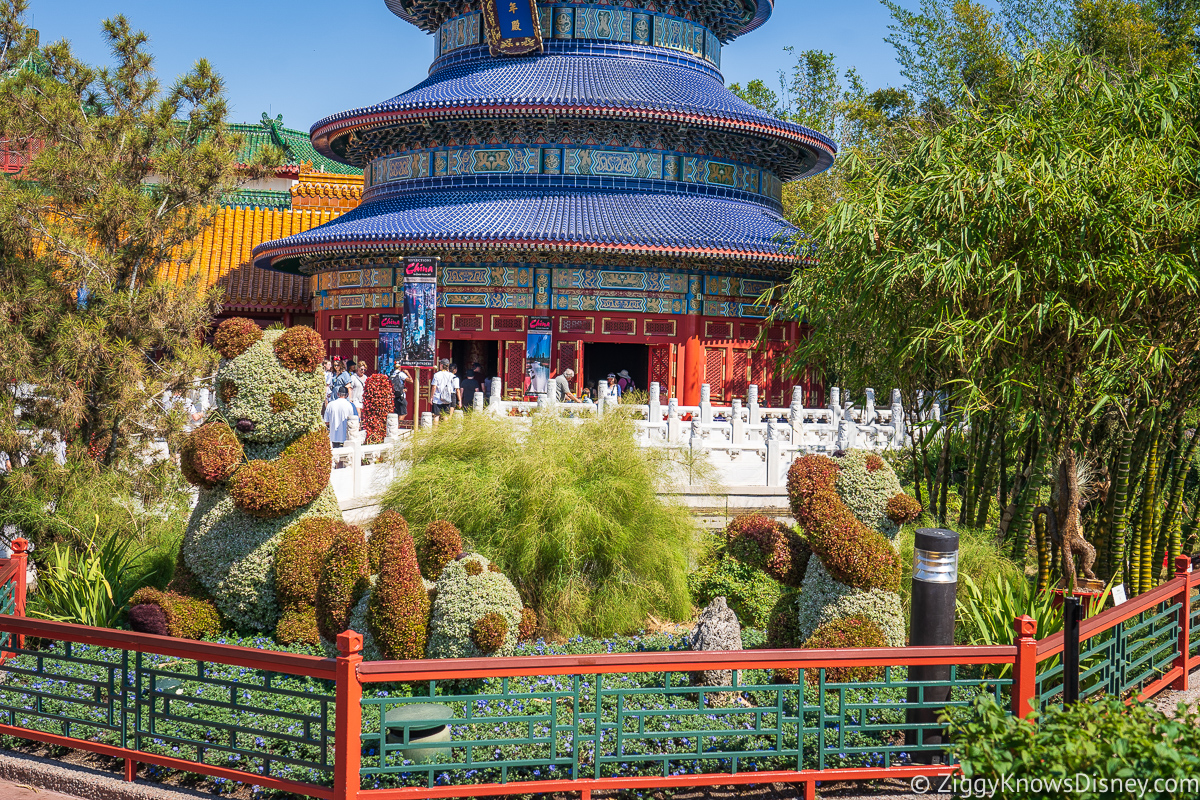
[55, 780]
[1167, 701]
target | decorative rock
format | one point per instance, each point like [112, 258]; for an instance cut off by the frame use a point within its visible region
[716, 629]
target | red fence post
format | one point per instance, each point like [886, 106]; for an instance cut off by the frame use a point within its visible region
[1182, 565]
[347, 741]
[20, 557]
[1024, 687]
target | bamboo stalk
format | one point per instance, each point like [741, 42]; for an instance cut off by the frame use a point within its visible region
[1172, 525]
[989, 478]
[1043, 548]
[1144, 554]
[1120, 505]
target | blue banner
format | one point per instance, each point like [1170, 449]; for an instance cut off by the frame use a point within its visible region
[512, 27]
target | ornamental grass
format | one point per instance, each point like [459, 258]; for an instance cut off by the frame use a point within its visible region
[568, 510]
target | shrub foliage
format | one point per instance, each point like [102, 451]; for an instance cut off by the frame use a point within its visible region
[852, 553]
[852, 631]
[570, 511]
[440, 544]
[398, 611]
[343, 582]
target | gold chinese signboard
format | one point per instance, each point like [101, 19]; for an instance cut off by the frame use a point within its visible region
[512, 27]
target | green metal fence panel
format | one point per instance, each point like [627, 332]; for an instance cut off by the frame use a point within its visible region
[652, 724]
[259, 722]
[1194, 624]
[1120, 659]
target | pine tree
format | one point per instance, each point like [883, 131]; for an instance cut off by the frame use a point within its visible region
[123, 175]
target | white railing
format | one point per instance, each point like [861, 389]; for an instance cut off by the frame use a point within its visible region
[364, 470]
[748, 445]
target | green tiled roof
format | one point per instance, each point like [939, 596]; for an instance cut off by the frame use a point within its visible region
[298, 145]
[257, 198]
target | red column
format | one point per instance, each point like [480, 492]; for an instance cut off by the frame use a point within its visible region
[347, 749]
[1182, 565]
[20, 557]
[1024, 687]
[693, 371]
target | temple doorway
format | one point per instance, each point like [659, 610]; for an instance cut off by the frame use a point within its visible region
[467, 352]
[601, 358]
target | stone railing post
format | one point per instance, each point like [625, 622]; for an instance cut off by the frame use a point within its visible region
[897, 420]
[737, 431]
[426, 419]
[835, 404]
[774, 454]
[601, 396]
[796, 413]
[393, 428]
[706, 412]
[752, 403]
[654, 411]
[869, 408]
[673, 431]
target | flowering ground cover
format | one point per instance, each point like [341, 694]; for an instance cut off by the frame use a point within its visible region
[503, 729]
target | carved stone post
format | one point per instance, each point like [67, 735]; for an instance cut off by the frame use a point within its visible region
[706, 413]
[737, 433]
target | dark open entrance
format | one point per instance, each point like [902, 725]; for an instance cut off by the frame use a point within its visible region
[467, 352]
[601, 358]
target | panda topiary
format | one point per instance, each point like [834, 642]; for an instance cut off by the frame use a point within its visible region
[262, 466]
[849, 510]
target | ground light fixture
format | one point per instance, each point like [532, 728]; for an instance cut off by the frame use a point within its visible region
[934, 594]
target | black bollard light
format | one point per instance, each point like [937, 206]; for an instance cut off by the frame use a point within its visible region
[1071, 615]
[934, 593]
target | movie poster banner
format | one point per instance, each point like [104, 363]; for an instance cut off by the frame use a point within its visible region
[391, 341]
[537, 339]
[420, 312]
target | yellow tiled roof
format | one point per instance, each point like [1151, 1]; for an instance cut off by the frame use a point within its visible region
[222, 257]
[222, 252]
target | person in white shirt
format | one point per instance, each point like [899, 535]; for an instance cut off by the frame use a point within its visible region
[358, 382]
[443, 390]
[337, 415]
[614, 388]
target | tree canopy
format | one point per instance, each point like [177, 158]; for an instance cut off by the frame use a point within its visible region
[124, 173]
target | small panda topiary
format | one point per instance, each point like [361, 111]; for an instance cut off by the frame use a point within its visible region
[475, 607]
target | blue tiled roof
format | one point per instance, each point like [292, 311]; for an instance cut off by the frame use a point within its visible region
[570, 221]
[730, 18]
[576, 85]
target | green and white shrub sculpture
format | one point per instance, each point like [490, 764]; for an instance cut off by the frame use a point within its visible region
[850, 508]
[476, 611]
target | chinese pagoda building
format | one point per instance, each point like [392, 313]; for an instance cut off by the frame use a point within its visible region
[582, 162]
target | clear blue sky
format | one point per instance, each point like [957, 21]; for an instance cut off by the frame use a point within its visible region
[307, 59]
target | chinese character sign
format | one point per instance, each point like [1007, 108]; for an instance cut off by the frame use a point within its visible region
[420, 312]
[512, 27]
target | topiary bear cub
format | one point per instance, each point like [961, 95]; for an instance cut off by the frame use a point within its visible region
[262, 465]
